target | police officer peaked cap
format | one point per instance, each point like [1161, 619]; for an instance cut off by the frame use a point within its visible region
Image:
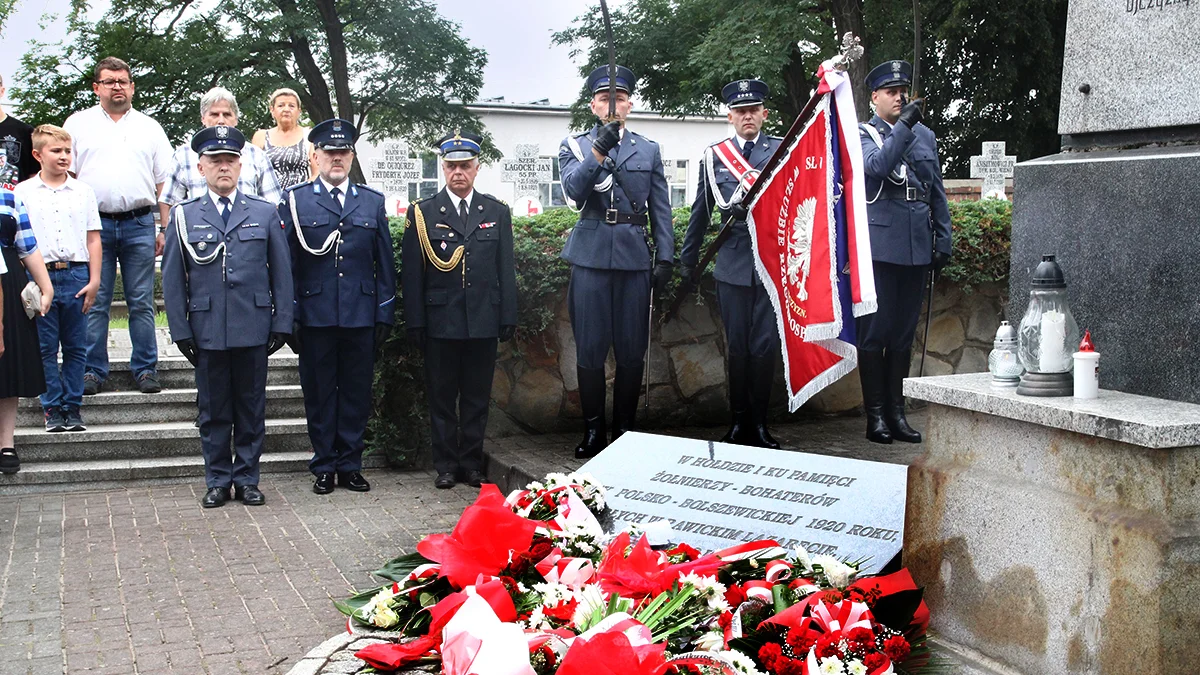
[890, 74]
[334, 134]
[459, 146]
[598, 80]
[219, 140]
[743, 93]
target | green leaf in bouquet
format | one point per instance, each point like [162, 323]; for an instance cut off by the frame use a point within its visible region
[357, 601]
[398, 568]
[780, 597]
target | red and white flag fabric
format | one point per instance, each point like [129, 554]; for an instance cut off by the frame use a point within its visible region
[812, 248]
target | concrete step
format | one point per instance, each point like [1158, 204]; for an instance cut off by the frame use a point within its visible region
[170, 405]
[143, 441]
[89, 475]
[174, 372]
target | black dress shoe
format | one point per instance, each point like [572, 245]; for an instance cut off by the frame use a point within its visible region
[215, 497]
[251, 495]
[444, 481]
[323, 485]
[353, 481]
[476, 478]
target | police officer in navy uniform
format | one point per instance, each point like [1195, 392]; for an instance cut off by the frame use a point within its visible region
[345, 275]
[616, 178]
[751, 333]
[460, 297]
[227, 283]
[910, 234]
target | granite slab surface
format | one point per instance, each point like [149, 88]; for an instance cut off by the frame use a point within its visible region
[1128, 418]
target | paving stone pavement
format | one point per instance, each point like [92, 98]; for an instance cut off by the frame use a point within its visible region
[143, 580]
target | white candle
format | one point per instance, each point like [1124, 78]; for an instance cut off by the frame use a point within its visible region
[1053, 355]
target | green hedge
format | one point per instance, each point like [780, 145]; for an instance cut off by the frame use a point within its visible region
[400, 424]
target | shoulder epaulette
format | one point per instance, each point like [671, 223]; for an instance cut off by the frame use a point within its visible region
[368, 188]
[493, 198]
[297, 186]
[193, 199]
[256, 198]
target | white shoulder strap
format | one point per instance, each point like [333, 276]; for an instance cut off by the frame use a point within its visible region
[332, 240]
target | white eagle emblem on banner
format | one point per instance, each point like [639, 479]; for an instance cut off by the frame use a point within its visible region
[800, 247]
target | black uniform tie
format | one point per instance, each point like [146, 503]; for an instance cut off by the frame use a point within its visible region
[225, 209]
[746, 149]
[462, 211]
[336, 193]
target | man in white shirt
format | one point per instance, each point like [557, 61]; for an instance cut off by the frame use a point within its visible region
[125, 157]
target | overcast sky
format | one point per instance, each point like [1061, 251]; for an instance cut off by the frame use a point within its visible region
[523, 65]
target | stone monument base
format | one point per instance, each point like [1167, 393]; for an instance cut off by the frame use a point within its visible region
[1055, 535]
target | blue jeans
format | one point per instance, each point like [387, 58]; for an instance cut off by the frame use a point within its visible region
[131, 241]
[65, 323]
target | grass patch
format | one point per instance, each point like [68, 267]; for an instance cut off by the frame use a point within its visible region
[160, 321]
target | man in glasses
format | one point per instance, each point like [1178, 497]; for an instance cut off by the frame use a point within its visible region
[125, 157]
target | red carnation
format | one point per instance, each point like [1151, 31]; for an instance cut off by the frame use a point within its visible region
[734, 595]
[896, 647]
[861, 636]
[769, 654]
[684, 551]
[800, 641]
[874, 661]
[725, 620]
[827, 645]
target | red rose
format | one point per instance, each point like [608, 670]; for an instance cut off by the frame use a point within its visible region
[874, 661]
[735, 596]
[897, 648]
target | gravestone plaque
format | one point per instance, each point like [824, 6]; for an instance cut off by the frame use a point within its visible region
[717, 495]
[528, 171]
[1130, 64]
[993, 166]
[394, 170]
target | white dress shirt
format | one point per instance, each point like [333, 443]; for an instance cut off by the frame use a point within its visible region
[455, 199]
[121, 160]
[343, 186]
[61, 217]
[216, 200]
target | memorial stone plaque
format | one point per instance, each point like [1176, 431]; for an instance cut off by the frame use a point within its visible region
[1130, 64]
[527, 170]
[394, 170]
[993, 166]
[717, 495]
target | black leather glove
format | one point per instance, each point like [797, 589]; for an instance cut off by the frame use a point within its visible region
[940, 260]
[739, 212]
[382, 331]
[293, 340]
[275, 342]
[188, 349]
[661, 275]
[417, 337]
[507, 333]
[607, 138]
[910, 114]
[686, 272]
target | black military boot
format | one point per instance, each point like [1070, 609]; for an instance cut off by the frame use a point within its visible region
[872, 371]
[762, 377]
[627, 386]
[739, 398]
[897, 370]
[591, 400]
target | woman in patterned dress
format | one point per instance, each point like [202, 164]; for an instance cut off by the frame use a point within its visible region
[286, 144]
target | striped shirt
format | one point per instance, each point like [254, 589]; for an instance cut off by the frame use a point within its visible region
[185, 182]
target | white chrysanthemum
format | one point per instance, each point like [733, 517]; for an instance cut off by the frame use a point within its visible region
[856, 667]
[553, 593]
[802, 560]
[590, 599]
[537, 619]
[837, 572]
[710, 642]
[708, 588]
[741, 662]
[831, 665]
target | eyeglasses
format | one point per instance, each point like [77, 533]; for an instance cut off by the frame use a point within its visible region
[113, 84]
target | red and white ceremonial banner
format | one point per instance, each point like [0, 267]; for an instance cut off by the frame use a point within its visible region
[812, 248]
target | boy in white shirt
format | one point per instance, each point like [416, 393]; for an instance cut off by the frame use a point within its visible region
[66, 221]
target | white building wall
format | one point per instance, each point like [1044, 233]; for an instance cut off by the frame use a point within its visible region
[545, 126]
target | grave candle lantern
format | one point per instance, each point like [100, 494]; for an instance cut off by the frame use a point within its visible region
[1003, 363]
[1048, 335]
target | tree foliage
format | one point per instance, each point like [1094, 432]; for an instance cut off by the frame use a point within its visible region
[393, 66]
[989, 71]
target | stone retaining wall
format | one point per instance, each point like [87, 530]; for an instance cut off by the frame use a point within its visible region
[536, 389]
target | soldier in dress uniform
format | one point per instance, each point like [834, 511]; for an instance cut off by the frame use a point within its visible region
[227, 283]
[460, 297]
[910, 234]
[616, 179]
[727, 171]
[345, 301]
